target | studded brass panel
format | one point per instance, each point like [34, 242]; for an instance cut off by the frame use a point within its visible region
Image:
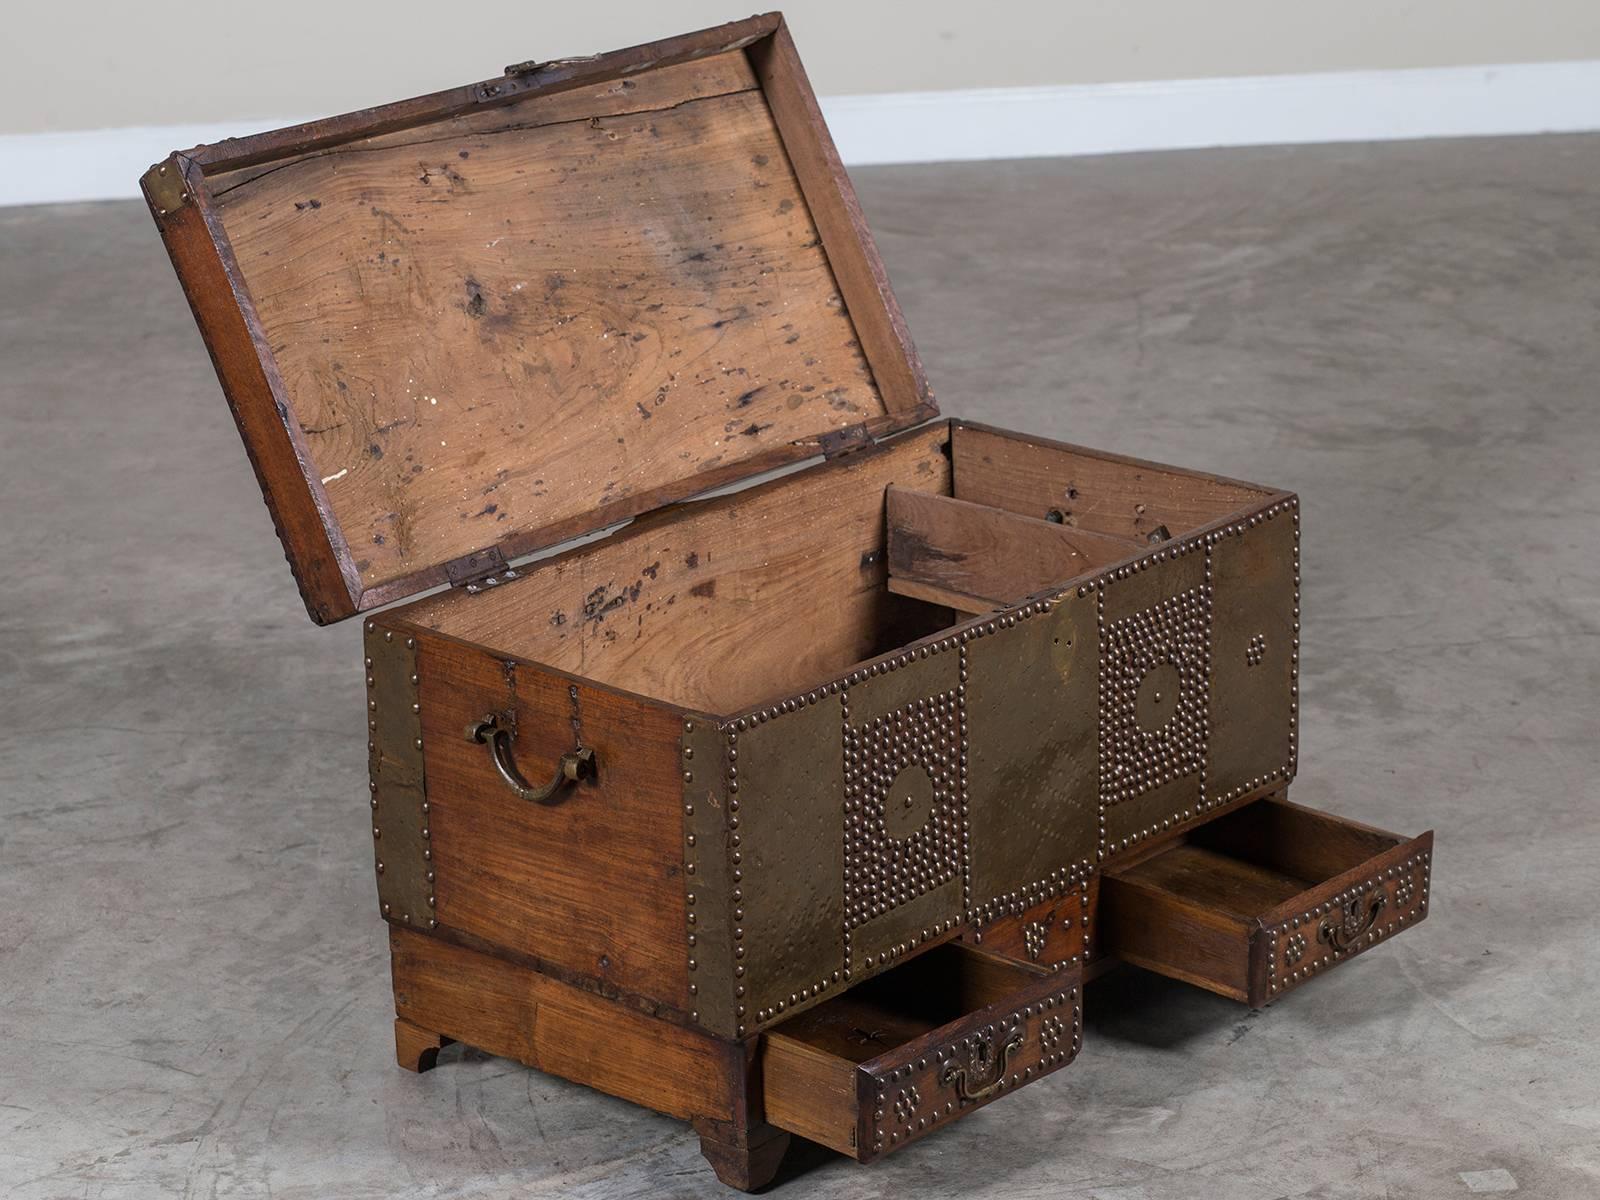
[906, 827]
[787, 894]
[994, 768]
[399, 795]
[1199, 670]
[1031, 695]
[1255, 655]
[710, 848]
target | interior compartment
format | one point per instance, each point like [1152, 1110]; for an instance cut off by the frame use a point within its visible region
[821, 1066]
[1203, 907]
[721, 604]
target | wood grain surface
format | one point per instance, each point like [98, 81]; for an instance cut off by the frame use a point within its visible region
[527, 322]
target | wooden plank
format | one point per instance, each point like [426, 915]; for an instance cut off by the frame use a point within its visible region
[509, 1010]
[1173, 935]
[809, 1092]
[643, 92]
[979, 551]
[930, 593]
[697, 606]
[228, 323]
[863, 281]
[552, 78]
[588, 886]
[1087, 489]
[507, 337]
[1292, 838]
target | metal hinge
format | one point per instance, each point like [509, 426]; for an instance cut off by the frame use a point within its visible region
[480, 570]
[534, 64]
[519, 77]
[845, 441]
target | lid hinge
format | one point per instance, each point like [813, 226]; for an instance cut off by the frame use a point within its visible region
[479, 571]
[839, 442]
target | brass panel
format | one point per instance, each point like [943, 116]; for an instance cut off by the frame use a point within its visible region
[786, 793]
[1255, 655]
[710, 847]
[904, 739]
[1032, 694]
[402, 857]
[1199, 646]
[1154, 636]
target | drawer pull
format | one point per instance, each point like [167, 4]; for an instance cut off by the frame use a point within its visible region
[982, 1076]
[1358, 918]
[494, 731]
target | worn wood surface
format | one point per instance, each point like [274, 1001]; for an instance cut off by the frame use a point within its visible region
[698, 606]
[549, 79]
[589, 886]
[1087, 489]
[509, 1010]
[1289, 837]
[744, 1158]
[510, 333]
[205, 266]
[860, 272]
[959, 603]
[974, 550]
[417, 1049]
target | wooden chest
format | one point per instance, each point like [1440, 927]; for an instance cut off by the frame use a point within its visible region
[801, 808]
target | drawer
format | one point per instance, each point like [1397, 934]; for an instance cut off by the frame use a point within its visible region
[1264, 898]
[918, 1047]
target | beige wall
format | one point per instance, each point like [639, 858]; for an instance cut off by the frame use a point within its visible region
[157, 62]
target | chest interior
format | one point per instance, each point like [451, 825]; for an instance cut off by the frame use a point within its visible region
[724, 603]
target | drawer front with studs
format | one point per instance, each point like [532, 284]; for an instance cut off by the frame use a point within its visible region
[918, 1047]
[1264, 898]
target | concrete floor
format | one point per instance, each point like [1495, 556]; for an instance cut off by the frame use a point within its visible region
[193, 987]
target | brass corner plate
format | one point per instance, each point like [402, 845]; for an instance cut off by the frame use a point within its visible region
[402, 853]
[165, 186]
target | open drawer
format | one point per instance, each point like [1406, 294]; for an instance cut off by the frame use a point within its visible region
[1263, 898]
[918, 1047]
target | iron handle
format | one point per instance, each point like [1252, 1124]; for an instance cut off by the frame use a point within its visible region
[969, 1080]
[494, 731]
[1343, 934]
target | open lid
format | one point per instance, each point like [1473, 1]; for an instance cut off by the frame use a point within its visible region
[460, 328]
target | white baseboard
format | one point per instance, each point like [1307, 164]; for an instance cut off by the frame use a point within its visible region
[990, 123]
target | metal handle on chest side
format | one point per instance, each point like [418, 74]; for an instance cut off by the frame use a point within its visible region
[494, 731]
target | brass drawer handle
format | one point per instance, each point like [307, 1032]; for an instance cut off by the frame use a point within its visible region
[970, 1080]
[1343, 934]
[494, 731]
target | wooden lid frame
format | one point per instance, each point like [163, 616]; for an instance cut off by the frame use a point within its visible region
[327, 567]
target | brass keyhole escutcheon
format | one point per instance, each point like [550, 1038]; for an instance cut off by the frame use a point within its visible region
[909, 803]
[1158, 696]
